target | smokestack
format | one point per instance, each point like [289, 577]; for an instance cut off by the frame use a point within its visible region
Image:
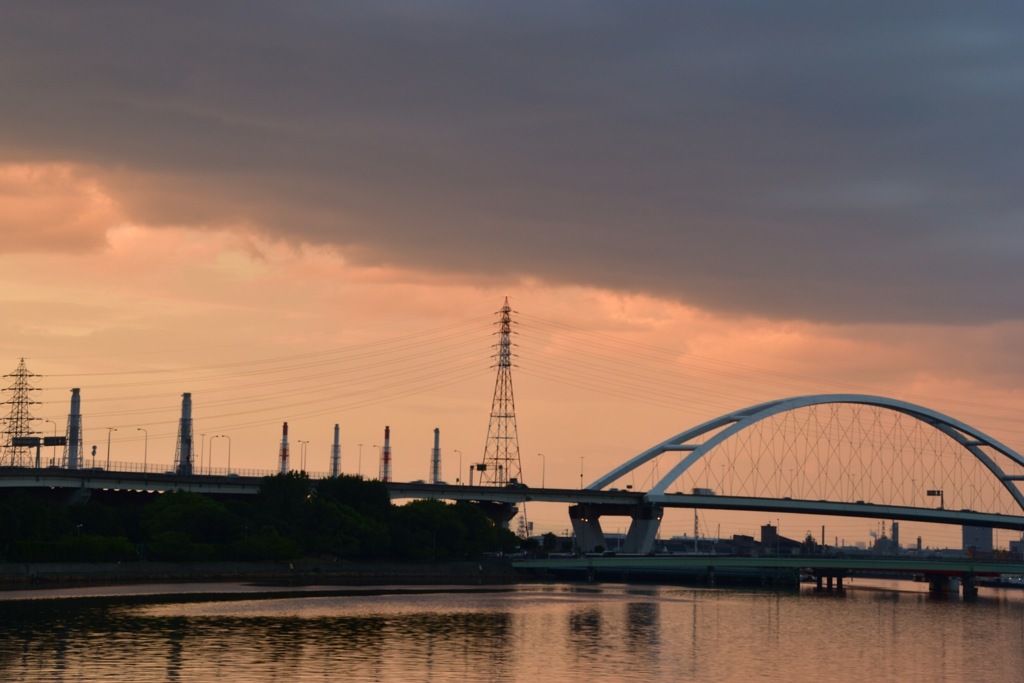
[385, 457]
[74, 442]
[284, 449]
[183, 458]
[435, 458]
[336, 452]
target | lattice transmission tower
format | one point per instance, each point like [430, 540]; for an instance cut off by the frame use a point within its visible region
[18, 424]
[501, 464]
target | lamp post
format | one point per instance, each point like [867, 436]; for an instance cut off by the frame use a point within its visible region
[229, 451]
[202, 450]
[380, 455]
[458, 479]
[543, 468]
[581, 471]
[110, 430]
[145, 447]
[360, 460]
[209, 458]
[53, 449]
[302, 453]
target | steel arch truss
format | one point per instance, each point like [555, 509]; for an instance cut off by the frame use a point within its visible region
[721, 428]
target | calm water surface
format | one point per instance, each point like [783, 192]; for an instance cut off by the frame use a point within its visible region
[881, 631]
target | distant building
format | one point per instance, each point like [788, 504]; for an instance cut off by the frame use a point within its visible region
[977, 541]
[885, 545]
[772, 542]
[743, 544]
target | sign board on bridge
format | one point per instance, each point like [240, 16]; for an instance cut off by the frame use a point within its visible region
[55, 441]
[24, 441]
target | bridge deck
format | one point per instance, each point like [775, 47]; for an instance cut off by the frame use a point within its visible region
[610, 500]
[668, 563]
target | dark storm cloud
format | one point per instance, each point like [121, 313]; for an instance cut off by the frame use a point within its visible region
[848, 163]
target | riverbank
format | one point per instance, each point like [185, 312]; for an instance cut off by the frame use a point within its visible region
[486, 571]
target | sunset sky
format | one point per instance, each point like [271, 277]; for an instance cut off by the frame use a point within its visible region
[310, 212]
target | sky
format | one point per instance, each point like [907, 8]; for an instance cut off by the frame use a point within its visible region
[310, 212]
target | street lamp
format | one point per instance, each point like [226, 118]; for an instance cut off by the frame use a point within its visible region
[110, 430]
[209, 457]
[581, 471]
[380, 454]
[458, 479]
[360, 460]
[145, 447]
[229, 450]
[53, 450]
[302, 453]
[543, 468]
[202, 450]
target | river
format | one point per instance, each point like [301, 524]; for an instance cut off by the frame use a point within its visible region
[535, 633]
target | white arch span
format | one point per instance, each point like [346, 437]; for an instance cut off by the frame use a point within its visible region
[971, 439]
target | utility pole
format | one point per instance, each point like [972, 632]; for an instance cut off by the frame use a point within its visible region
[19, 419]
[501, 452]
[501, 465]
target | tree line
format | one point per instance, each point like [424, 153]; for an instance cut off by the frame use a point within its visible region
[291, 517]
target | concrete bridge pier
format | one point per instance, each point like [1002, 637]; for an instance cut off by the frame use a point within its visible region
[500, 513]
[942, 585]
[586, 527]
[829, 582]
[643, 530]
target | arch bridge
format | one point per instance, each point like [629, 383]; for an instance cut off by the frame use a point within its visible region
[833, 454]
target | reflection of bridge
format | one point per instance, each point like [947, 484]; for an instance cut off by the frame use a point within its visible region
[840, 455]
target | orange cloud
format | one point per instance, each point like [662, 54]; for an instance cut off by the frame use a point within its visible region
[599, 374]
[53, 207]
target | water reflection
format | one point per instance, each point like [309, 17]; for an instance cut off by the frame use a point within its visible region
[585, 628]
[555, 633]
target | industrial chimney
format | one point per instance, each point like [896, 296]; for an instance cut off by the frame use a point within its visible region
[336, 452]
[74, 442]
[284, 449]
[183, 457]
[435, 458]
[385, 457]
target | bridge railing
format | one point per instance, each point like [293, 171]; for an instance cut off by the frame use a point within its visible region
[98, 465]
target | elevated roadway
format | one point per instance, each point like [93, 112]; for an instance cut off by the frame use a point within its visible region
[97, 478]
[836, 509]
[668, 563]
[586, 501]
[943, 575]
